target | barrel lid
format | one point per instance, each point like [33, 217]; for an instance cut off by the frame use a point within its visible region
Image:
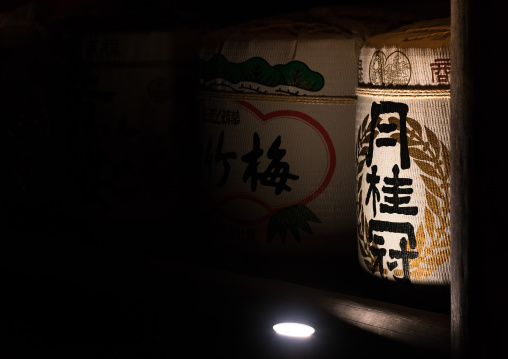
[416, 55]
[312, 53]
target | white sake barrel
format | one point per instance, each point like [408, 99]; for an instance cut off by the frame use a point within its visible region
[403, 154]
[277, 113]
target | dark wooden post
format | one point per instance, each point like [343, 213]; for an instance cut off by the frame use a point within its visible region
[478, 157]
[460, 132]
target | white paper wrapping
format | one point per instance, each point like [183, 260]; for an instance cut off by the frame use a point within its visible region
[403, 158]
[410, 56]
[281, 172]
[278, 111]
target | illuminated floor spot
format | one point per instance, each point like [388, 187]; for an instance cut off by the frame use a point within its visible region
[294, 329]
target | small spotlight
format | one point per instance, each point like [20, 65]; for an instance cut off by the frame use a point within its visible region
[294, 329]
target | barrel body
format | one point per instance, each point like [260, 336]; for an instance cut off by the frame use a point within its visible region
[403, 154]
[277, 114]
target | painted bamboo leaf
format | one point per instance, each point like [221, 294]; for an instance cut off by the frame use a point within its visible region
[434, 142]
[414, 125]
[429, 223]
[438, 258]
[360, 166]
[364, 151]
[366, 140]
[368, 264]
[291, 219]
[432, 186]
[418, 154]
[427, 168]
[361, 130]
[420, 238]
[411, 142]
[396, 136]
[364, 123]
[394, 120]
[446, 160]
[433, 203]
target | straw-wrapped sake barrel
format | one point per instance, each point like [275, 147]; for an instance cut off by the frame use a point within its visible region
[403, 154]
[277, 113]
[131, 167]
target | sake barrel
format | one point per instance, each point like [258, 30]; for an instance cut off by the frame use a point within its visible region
[403, 154]
[277, 113]
[131, 169]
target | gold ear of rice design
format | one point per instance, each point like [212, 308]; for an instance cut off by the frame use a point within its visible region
[433, 159]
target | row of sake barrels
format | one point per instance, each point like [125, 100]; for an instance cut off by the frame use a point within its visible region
[326, 132]
[290, 161]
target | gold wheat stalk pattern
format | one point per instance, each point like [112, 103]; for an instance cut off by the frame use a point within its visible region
[433, 159]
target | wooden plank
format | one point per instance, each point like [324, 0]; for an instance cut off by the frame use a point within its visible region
[460, 132]
[419, 328]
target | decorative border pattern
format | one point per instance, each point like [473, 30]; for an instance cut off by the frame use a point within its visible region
[312, 100]
[405, 92]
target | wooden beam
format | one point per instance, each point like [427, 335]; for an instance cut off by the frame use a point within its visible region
[478, 124]
[460, 139]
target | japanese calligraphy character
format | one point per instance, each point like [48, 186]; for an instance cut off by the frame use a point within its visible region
[214, 115]
[379, 253]
[224, 157]
[235, 117]
[441, 70]
[277, 172]
[219, 156]
[252, 159]
[405, 255]
[394, 227]
[373, 179]
[389, 107]
[226, 117]
[394, 189]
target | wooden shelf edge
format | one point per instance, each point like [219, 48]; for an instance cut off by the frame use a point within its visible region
[412, 326]
[94, 267]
